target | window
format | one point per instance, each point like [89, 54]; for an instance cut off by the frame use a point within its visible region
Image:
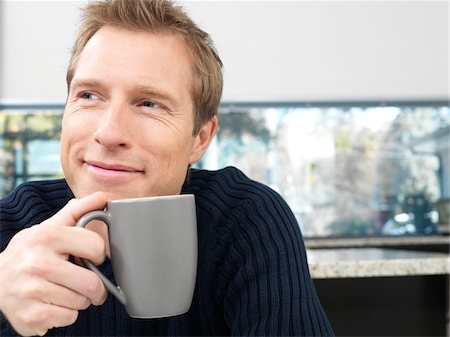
[29, 145]
[345, 170]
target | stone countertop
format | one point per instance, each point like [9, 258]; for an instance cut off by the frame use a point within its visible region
[382, 241]
[375, 262]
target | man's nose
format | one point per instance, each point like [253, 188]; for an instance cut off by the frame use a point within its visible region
[112, 130]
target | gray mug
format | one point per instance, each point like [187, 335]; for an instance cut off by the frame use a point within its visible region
[154, 251]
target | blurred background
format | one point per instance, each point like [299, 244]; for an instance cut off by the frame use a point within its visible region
[341, 107]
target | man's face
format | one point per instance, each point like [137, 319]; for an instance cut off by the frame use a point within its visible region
[128, 122]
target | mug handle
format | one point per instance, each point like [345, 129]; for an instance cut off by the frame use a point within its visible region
[82, 222]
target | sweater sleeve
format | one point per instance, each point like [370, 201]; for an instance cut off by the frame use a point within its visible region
[264, 281]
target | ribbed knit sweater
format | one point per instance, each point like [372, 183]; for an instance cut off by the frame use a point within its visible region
[252, 277]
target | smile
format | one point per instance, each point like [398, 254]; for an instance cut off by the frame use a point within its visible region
[111, 171]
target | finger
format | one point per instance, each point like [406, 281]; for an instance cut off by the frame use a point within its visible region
[78, 279]
[68, 241]
[52, 293]
[54, 316]
[75, 208]
[66, 298]
[41, 317]
[75, 241]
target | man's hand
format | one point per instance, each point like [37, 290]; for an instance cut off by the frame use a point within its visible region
[39, 288]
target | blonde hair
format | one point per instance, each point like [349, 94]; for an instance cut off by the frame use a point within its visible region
[159, 17]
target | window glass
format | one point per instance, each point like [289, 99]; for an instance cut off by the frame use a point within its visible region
[29, 145]
[344, 170]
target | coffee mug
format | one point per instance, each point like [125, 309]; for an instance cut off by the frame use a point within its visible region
[153, 245]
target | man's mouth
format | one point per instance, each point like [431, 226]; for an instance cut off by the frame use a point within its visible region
[111, 170]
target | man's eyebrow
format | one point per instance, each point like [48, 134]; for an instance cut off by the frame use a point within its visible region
[85, 83]
[159, 93]
[154, 91]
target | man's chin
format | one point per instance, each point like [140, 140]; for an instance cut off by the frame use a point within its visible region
[118, 195]
[111, 193]
[84, 187]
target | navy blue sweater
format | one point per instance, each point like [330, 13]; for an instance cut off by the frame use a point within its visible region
[252, 279]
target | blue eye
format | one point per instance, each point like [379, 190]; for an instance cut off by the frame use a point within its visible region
[87, 95]
[149, 104]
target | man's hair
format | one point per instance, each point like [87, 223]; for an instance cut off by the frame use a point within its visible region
[159, 17]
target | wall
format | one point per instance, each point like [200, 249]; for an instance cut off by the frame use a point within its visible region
[272, 51]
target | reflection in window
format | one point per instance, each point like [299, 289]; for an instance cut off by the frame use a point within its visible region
[343, 170]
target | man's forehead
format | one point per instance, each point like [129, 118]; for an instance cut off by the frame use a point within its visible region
[168, 49]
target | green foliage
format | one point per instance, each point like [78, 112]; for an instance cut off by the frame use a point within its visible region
[17, 129]
[30, 125]
[236, 124]
[350, 226]
[342, 140]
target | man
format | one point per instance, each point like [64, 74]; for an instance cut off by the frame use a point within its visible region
[144, 84]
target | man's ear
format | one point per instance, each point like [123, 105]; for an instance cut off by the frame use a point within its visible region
[203, 139]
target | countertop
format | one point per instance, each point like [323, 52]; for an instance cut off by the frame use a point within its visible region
[382, 241]
[375, 262]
